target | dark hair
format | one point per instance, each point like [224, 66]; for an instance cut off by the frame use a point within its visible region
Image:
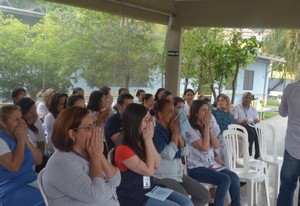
[122, 89]
[105, 90]
[94, 101]
[196, 105]
[25, 105]
[69, 118]
[122, 97]
[204, 98]
[139, 91]
[72, 99]
[166, 93]
[160, 105]
[131, 121]
[76, 89]
[157, 93]
[54, 102]
[146, 97]
[188, 90]
[16, 91]
[176, 100]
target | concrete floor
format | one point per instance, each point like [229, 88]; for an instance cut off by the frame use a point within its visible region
[280, 125]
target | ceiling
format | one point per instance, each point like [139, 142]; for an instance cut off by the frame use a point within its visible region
[203, 13]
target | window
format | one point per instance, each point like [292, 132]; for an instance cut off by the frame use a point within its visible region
[248, 80]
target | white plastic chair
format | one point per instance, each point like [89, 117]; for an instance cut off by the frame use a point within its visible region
[253, 163]
[266, 136]
[40, 184]
[250, 176]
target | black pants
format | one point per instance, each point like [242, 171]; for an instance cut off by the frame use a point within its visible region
[252, 137]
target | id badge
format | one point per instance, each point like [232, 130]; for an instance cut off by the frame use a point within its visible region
[146, 182]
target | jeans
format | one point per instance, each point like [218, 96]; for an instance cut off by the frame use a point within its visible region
[290, 172]
[175, 199]
[189, 186]
[225, 180]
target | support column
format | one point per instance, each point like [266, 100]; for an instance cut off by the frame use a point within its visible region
[173, 59]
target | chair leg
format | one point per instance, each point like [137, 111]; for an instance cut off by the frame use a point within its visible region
[277, 179]
[250, 189]
[266, 181]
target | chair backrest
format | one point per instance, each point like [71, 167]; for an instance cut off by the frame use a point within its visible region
[231, 138]
[242, 129]
[238, 127]
[266, 136]
[40, 184]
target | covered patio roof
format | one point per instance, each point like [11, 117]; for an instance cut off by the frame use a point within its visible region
[203, 13]
[181, 14]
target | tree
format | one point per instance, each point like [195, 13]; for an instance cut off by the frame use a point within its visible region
[242, 51]
[36, 57]
[123, 51]
[284, 43]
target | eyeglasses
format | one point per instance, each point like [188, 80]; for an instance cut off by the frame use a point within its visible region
[87, 128]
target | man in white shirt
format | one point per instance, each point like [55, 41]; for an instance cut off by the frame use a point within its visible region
[246, 115]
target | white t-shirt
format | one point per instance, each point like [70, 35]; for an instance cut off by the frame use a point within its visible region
[48, 124]
[39, 136]
[186, 109]
[3, 147]
[42, 110]
[198, 158]
[240, 113]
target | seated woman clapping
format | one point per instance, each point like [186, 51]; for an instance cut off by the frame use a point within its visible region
[78, 173]
[17, 157]
[136, 157]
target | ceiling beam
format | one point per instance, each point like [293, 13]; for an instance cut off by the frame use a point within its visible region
[141, 10]
[240, 13]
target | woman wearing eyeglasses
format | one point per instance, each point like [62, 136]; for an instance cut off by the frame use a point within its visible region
[78, 173]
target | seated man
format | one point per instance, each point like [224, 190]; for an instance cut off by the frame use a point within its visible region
[113, 125]
[246, 115]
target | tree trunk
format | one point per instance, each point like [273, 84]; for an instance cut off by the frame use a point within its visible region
[186, 82]
[220, 85]
[211, 85]
[233, 84]
[127, 81]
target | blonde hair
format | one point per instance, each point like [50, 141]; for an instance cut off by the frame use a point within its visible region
[224, 96]
[6, 111]
[47, 96]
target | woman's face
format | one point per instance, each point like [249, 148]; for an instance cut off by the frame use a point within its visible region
[202, 111]
[167, 114]
[145, 121]
[31, 116]
[12, 122]
[189, 96]
[160, 94]
[222, 103]
[149, 103]
[103, 102]
[140, 98]
[170, 98]
[179, 105]
[80, 103]
[84, 131]
[61, 104]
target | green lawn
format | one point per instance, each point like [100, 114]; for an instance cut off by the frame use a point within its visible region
[272, 103]
[270, 114]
